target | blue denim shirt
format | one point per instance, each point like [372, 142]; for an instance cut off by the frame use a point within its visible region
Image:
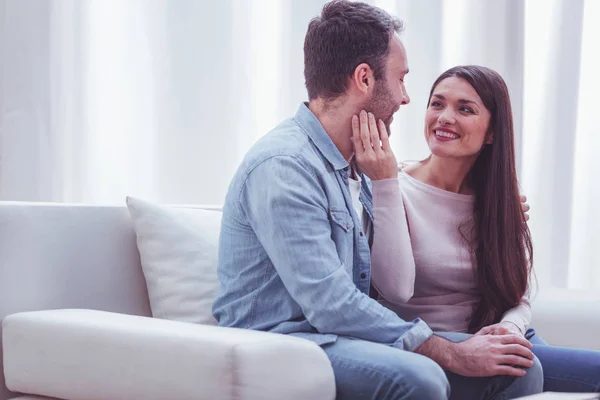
[293, 257]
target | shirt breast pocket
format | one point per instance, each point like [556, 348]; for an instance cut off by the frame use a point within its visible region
[342, 234]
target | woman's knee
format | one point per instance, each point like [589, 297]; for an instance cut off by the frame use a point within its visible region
[569, 369]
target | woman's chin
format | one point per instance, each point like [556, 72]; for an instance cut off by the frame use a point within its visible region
[441, 151]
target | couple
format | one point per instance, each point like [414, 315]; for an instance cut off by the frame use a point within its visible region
[324, 239]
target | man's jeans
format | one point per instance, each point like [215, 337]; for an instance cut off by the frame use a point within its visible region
[365, 370]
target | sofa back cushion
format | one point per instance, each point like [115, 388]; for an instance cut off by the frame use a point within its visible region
[178, 248]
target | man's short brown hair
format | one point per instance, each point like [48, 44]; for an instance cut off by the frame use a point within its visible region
[345, 35]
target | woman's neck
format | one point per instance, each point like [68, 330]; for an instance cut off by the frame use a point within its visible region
[448, 174]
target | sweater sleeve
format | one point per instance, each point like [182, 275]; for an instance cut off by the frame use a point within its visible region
[520, 315]
[392, 261]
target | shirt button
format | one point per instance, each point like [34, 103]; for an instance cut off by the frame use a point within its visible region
[361, 234]
[363, 275]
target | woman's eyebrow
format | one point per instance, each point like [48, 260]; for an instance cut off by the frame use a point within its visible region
[462, 101]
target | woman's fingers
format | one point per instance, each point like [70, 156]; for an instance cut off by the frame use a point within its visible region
[365, 135]
[524, 206]
[483, 331]
[501, 330]
[356, 140]
[371, 133]
[385, 138]
[374, 133]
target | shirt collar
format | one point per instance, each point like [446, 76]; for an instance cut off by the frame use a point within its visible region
[315, 131]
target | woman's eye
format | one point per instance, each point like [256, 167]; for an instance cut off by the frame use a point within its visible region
[467, 110]
[435, 104]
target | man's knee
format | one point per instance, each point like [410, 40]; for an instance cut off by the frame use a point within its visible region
[535, 377]
[427, 381]
[366, 370]
[529, 384]
[421, 378]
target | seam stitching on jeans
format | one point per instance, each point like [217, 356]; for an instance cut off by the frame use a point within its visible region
[576, 381]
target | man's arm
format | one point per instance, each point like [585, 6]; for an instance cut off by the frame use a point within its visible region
[440, 350]
[286, 206]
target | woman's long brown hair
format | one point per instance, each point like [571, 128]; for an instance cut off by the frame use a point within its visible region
[502, 249]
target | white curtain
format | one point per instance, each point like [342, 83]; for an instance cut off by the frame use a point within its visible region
[100, 99]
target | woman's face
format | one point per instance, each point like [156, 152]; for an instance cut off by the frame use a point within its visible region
[456, 121]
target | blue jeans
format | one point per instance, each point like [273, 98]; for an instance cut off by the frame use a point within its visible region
[567, 369]
[366, 370]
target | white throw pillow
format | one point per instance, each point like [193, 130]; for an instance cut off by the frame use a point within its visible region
[178, 250]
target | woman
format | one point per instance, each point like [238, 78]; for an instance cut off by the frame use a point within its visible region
[459, 211]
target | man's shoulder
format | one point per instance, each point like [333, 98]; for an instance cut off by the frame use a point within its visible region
[286, 143]
[285, 154]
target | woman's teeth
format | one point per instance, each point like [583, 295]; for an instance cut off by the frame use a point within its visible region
[446, 134]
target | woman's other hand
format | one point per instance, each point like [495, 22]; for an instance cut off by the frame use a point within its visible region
[524, 206]
[501, 328]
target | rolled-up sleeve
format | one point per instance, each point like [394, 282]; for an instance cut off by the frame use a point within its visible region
[286, 206]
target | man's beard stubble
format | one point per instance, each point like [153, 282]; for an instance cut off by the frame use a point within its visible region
[381, 105]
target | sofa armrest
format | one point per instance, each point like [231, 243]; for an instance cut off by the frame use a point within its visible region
[567, 317]
[88, 355]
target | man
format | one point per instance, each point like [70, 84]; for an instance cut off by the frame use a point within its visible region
[294, 253]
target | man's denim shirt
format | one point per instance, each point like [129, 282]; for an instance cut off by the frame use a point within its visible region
[293, 257]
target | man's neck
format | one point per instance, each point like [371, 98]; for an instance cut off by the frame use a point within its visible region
[337, 122]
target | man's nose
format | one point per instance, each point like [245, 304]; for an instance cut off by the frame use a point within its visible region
[405, 98]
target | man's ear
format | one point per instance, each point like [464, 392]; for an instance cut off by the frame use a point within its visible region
[363, 78]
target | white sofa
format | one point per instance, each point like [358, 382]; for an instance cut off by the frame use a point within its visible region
[76, 322]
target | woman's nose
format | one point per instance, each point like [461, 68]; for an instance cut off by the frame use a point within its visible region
[446, 118]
